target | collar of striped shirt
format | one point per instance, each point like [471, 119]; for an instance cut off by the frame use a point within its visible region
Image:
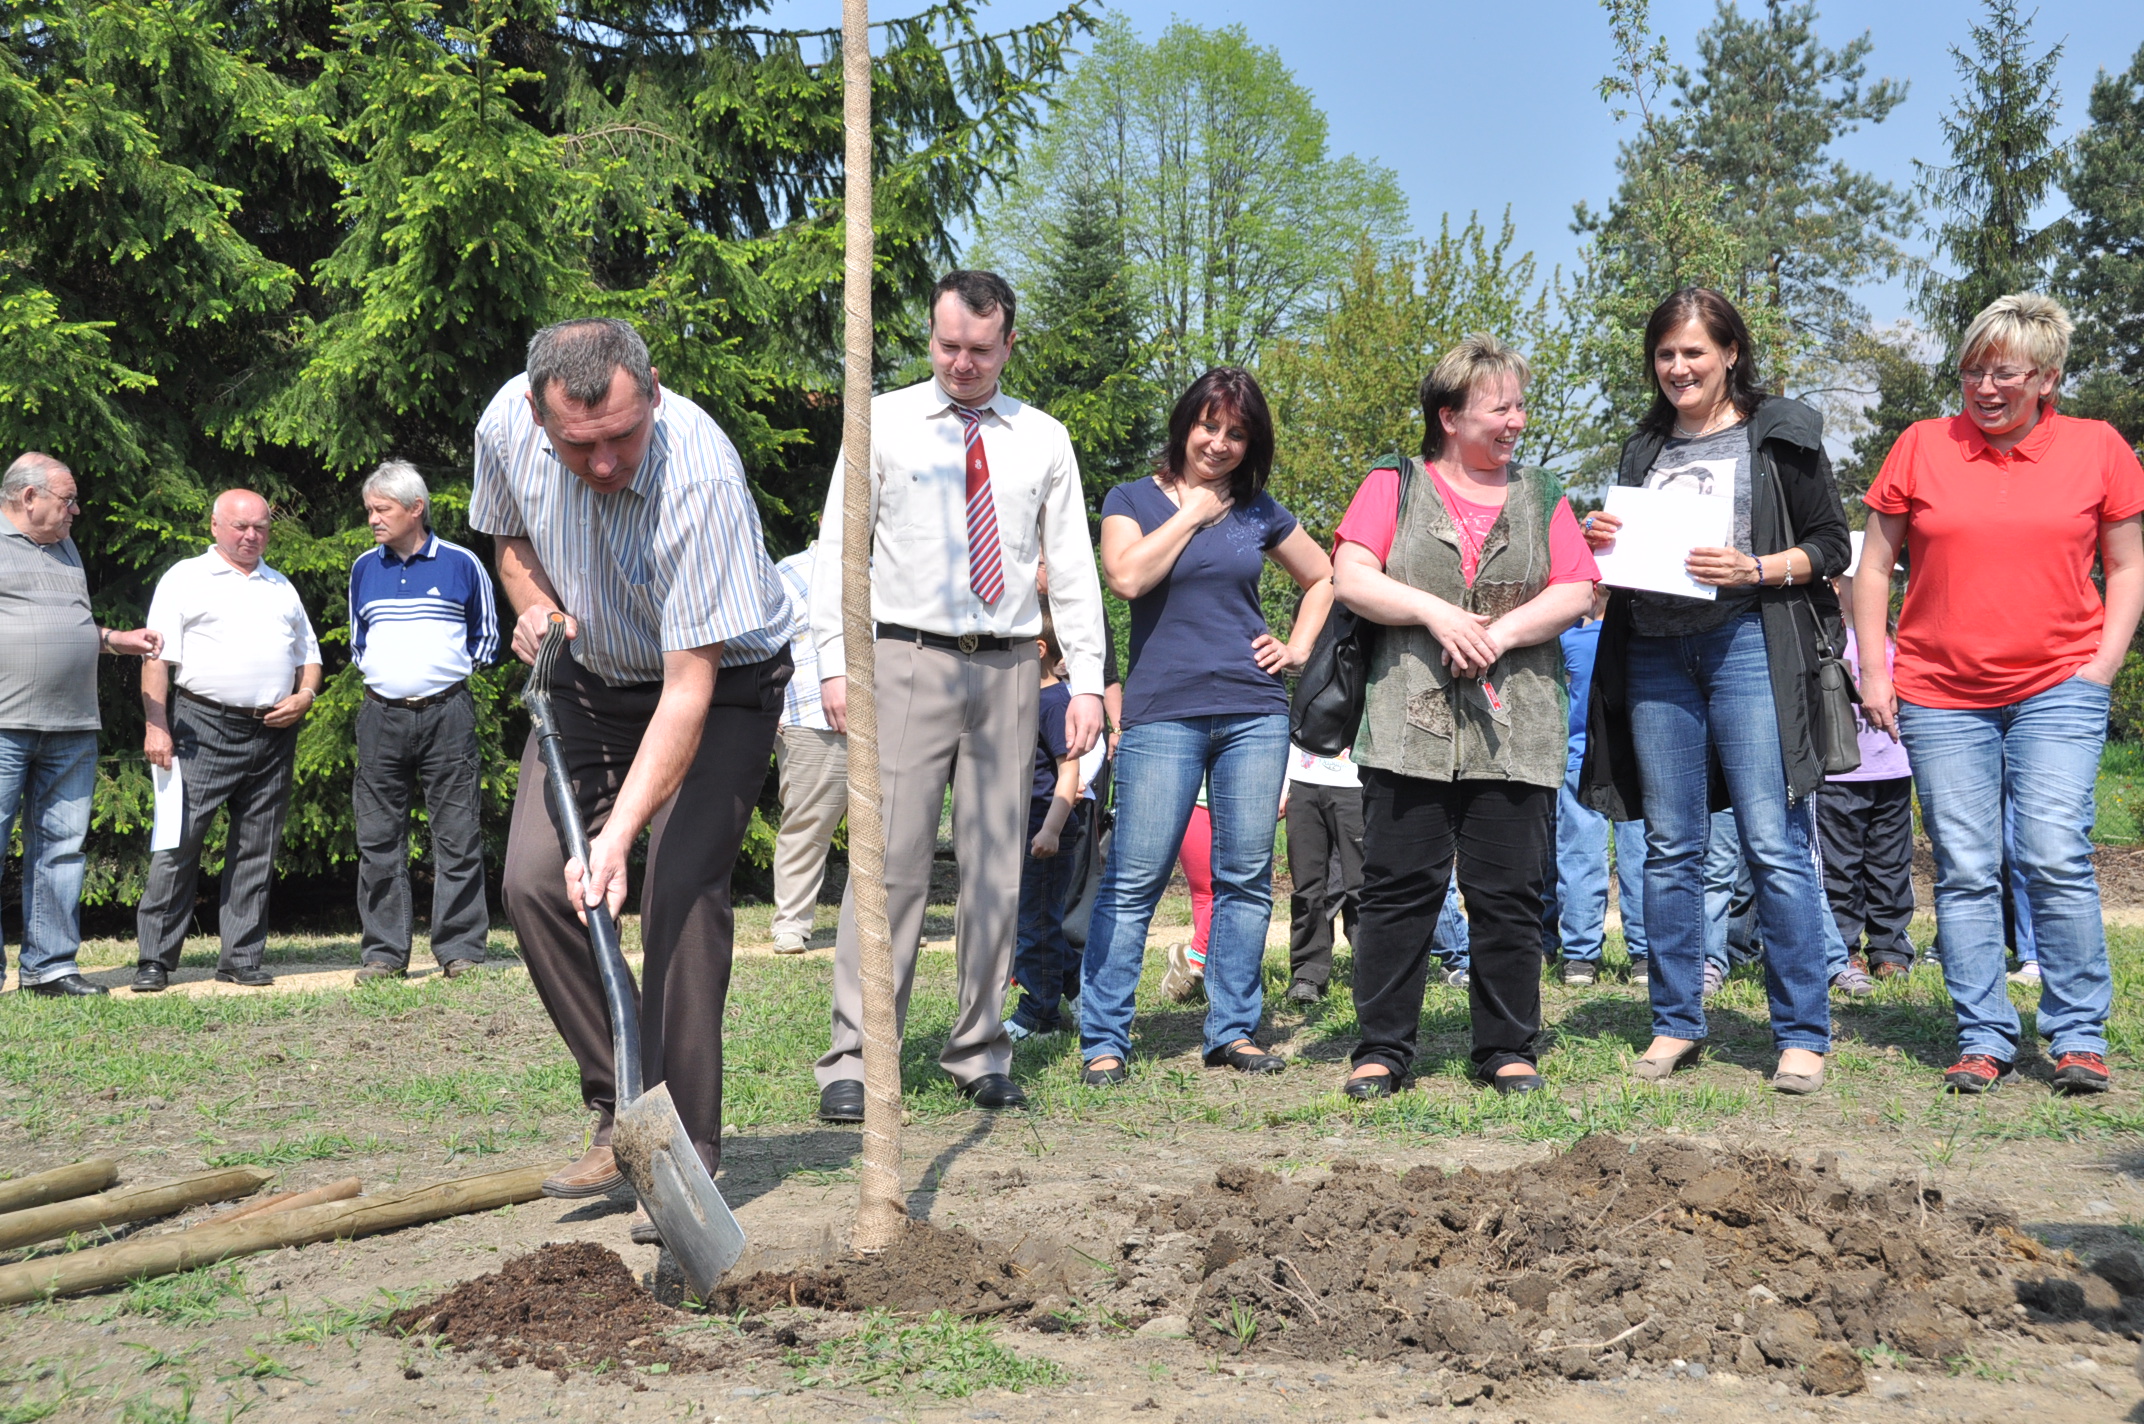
[673, 561]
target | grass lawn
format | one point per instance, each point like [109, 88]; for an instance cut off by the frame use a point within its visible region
[2120, 795]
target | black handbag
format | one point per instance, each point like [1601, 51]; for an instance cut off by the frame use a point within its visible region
[1325, 712]
[1838, 703]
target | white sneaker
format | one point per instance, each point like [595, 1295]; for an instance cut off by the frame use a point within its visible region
[1184, 980]
[2026, 973]
[790, 943]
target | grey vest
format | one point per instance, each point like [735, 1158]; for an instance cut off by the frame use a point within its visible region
[1417, 721]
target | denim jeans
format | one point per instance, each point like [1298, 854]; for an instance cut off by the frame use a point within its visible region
[1730, 897]
[1576, 914]
[2041, 756]
[1713, 692]
[1243, 760]
[1041, 953]
[1453, 941]
[48, 777]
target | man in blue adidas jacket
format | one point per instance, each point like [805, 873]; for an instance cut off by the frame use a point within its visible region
[421, 619]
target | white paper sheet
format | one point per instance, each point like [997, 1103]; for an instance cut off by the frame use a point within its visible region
[170, 807]
[1660, 528]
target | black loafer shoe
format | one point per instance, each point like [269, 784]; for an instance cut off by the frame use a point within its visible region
[69, 986]
[1509, 1083]
[1109, 1077]
[1245, 1059]
[151, 979]
[842, 1101]
[994, 1091]
[251, 978]
[1371, 1086]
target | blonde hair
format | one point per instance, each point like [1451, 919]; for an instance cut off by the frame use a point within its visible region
[1451, 383]
[2024, 325]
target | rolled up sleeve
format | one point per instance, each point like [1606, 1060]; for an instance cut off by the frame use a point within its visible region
[713, 589]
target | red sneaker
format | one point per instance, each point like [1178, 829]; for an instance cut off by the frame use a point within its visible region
[2082, 1073]
[1977, 1073]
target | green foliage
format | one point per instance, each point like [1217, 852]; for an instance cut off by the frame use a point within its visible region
[1344, 392]
[2003, 160]
[1236, 220]
[2103, 268]
[269, 245]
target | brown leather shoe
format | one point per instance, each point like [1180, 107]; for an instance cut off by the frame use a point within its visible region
[596, 1173]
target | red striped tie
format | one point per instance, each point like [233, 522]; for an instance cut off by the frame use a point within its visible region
[986, 565]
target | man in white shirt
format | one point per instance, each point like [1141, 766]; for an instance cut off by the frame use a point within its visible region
[421, 620]
[970, 488]
[1323, 808]
[813, 760]
[248, 670]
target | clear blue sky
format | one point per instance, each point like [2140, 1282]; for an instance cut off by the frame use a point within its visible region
[1476, 106]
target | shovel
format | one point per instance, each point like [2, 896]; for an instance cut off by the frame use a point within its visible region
[647, 1137]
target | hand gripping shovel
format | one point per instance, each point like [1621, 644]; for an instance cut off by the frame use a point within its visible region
[649, 1140]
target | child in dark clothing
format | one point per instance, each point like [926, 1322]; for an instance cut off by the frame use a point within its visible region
[1056, 816]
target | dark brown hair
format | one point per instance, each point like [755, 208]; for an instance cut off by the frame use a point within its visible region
[1726, 328]
[1232, 393]
[980, 292]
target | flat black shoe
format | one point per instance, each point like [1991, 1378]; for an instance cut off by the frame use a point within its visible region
[994, 1091]
[1115, 1073]
[69, 986]
[1245, 1059]
[1509, 1083]
[842, 1101]
[151, 979]
[251, 978]
[1371, 1086]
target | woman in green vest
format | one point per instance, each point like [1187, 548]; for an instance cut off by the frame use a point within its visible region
[1473, 565]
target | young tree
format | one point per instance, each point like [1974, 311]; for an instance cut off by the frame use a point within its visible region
[2103, 271]
[2003, 160]
[1236, 220]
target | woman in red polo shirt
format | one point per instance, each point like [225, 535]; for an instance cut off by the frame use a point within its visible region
[2006, 659]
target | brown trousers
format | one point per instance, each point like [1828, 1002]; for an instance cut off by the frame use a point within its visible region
[685, 919]
[968, 719]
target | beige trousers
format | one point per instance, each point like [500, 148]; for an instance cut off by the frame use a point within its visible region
[968, 719]
[814, 767]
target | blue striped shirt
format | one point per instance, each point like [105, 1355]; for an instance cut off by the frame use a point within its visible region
[800, 700]
[673, 561]
[419, 625]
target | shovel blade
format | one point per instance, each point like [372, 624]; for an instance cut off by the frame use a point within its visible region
[672, 1183]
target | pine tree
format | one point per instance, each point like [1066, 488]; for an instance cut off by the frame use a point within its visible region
[2003, 161]
[2104, 273]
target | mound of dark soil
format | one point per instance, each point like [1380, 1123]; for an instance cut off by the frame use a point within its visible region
[1607, 1253]
[562, 1305]
[928, 1268]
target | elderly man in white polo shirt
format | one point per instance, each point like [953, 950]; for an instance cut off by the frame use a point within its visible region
[247, 671]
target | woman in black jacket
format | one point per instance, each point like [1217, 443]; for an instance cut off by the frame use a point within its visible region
[1700, 703]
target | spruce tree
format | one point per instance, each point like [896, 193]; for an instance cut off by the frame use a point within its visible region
[2103, 276]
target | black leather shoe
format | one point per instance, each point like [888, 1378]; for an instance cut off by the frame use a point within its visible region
[151, 979]
[994, 1091]
[251, 978]
[842, 1101]
[1508, 1083]
[1110, 1077]
[1245, 1057]
[1371, 1086]
[70, 986]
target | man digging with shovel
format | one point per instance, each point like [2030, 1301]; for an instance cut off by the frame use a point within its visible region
[624, 508]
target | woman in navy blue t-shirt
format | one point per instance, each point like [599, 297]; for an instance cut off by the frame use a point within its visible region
[1204, 702]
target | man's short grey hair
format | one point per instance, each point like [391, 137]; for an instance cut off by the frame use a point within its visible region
[400, 482]
[32, 470]
[579, 356]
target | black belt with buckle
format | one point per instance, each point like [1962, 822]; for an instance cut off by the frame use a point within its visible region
[413, 704]
[965, 643]
[251, 714]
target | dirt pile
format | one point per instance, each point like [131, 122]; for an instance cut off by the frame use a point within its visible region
[1607, 1254]
[928, 1268]
[560, 1306]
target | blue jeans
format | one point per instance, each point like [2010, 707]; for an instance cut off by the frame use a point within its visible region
[1453, 940]
[1713, 692]
[1243, 761]
[1730, 900]
[48, 777]
[1042, 954]
[2041, 756]
[1576, 915]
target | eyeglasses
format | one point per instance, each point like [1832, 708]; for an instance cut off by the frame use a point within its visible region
[2006, 380]
[70, 501]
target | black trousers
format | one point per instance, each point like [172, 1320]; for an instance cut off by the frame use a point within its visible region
[1867, 831]
[686, 924]
[228, 760]
[1411, 830]
[397, 749]
[1324, 824]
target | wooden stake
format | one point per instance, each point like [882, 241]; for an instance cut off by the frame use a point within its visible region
[59, 1184]
[77, 1271]
[343, 1190]
[49, 1223]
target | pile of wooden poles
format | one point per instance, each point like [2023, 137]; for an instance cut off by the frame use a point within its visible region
[78, 1199]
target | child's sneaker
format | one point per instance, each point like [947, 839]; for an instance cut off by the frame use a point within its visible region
[2026, 973]
[1641, 972]
[1714, 978]
[1854, 982]
[1019, 1032]
[1458, 978]
[1184, 980]
[1976, 1073]
[1580, 973]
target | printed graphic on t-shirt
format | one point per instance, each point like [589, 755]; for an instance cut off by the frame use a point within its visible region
[1695, 476]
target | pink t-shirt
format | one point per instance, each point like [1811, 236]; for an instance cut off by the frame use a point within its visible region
[1373, 517]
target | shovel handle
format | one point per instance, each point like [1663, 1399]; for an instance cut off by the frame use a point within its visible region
[573, 839]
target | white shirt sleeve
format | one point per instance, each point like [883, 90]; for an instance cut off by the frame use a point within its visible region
[827, 563]
[1075, 585]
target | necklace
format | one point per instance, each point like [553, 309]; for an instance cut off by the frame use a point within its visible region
[1711, 425]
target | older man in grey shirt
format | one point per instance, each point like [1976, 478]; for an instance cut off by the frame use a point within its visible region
[49, 642]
